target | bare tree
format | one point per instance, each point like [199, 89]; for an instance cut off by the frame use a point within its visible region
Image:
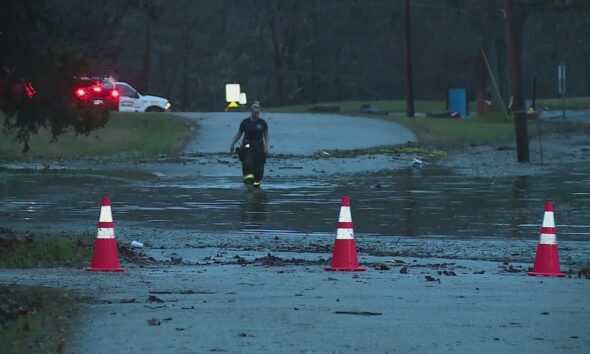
[408, 52]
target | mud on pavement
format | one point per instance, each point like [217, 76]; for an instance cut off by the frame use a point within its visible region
[249, 301]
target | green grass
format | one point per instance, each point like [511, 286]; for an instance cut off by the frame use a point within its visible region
[125, 136]
[354, 106]
[38, 319]
[449, 133]
[423, 106]
[570, 103]
[35, 319]
[18, 251]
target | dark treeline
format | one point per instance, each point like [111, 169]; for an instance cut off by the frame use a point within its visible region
[306, 51]
[282, 52]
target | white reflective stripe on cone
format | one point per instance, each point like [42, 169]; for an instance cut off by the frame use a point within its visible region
[105, 214]
[548, 239]
[345, 234]
[105, 233]
[548, 220]
[345, 214]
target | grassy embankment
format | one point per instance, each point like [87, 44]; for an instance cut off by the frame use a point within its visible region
[427, 106]
[18, 251]
[570, 103]
[448, 133]
[126, 136]
[38, 319]
[35, 319]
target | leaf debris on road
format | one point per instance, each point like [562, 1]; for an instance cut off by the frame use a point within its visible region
[431, 278]
[154, 322]
[152, 298]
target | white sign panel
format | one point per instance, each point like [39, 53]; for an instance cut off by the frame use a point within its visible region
[232, 92]
[243, 99]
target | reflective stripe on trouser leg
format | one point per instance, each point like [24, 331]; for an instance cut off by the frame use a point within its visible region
[248, 166]
[248, 177]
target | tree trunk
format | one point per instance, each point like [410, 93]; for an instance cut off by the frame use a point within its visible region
[494, 44]
[144, 87]
[514, 37]
[279, 66]
[409, 79]
[185, 94]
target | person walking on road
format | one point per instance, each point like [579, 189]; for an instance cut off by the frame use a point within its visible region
[254, 146]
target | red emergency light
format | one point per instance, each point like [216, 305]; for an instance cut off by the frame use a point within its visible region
[80, 92]
[115, 93]
[96, 88]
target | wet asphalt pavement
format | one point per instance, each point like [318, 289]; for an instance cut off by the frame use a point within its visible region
[298, 134]
[390, 195]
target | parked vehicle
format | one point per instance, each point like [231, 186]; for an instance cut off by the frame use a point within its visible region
[132, 101]
[107, 93]
[95, 92]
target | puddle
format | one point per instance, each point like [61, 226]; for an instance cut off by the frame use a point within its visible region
[412, 202]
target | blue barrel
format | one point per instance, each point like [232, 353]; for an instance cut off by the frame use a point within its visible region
[457, 101]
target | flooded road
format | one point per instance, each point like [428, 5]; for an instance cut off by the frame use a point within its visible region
[421, 202]
[435, 241]
[301, 194]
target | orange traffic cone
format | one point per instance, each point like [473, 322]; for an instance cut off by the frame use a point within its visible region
[547, 258]
[106, 257]
[344, 257]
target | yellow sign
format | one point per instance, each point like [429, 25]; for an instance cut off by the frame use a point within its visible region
[231, 105]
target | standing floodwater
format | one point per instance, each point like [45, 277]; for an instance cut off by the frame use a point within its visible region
[409, 202]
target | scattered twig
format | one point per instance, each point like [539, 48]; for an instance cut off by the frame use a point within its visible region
[360, 313]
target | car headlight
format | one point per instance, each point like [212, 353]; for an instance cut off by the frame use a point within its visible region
[167, 106]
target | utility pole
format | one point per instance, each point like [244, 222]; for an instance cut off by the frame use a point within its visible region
[561, 86]
[409, 80]
[514, 37]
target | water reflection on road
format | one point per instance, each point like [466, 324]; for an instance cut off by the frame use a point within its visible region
[411, 202]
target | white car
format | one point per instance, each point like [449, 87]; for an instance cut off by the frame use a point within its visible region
[132, 101]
